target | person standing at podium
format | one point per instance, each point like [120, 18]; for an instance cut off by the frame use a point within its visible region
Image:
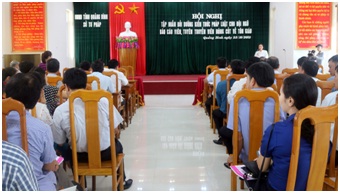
[127, 32]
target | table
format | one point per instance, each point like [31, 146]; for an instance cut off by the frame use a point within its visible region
[199, 90]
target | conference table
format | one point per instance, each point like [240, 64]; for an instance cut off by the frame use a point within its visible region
[199, 90]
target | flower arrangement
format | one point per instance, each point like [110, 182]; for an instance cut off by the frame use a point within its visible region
[127, 42]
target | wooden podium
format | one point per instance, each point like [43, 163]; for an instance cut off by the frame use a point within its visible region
[128, 57]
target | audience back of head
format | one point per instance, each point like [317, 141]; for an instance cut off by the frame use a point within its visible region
[221, 62]
[24, 87]
[310, 67]
[45, 55]
[25, 66]
[263, 74]
[75, 78]
[85, 65]
[97, 66]
[7, 73]
[237, 66]
[113, 64]
[273, 61]
[52, 65]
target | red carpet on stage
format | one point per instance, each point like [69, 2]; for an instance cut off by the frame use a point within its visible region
[170, 84]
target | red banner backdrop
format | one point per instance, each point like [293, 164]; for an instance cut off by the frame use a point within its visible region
[119, 13]
[28, 26]
[314, 24]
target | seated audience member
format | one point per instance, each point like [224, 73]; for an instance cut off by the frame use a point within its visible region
[300, 62]
[50, 93]
[53, 68]
[237, 67]
[260, 76]
[86, 66]
[122, 80]
[25, 66]
[105, 82]
[15, 64]
[332, 63]
[221, 64]
[44, 57]
[331, 99]
[238, 85]
[26, 88]
[273, 61]
[17, 171]
[7, 73]
[278, 152]
[75, 79]
[311, 68]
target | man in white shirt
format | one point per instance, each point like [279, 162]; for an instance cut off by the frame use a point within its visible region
[105, 82]
[75, 79]
[261, 52]
[311, 69]
[122, 80]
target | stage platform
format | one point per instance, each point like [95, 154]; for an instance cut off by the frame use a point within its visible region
[170, 84]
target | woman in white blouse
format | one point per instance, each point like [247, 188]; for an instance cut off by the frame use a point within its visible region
[261, 52]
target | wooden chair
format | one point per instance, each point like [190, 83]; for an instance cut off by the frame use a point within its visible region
[256, 100]
[57, 73]
[94, 166]
[117, 95]
[230, 81]
[53, 81]
[279, 80]
[64, 70]
[124, 71]
[323, 77]
[210, 68]
[223, 74]
[34, 111]
[92, 80]
[290, 71]
[326, 87]
[62, 89]
[9, 105]
[320, 147]
[129, 71]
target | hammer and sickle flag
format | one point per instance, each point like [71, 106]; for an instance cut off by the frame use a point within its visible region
[119, 9]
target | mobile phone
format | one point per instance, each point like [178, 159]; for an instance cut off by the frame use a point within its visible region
[59, 159]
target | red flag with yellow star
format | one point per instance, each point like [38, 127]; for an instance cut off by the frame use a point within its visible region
[121, 12]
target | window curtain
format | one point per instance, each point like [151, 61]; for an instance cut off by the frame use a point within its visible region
[190, 54]
[91, 43]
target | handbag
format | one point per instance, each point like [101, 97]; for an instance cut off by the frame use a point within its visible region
[252, 170]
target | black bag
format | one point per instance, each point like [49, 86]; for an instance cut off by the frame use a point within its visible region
[251, 168]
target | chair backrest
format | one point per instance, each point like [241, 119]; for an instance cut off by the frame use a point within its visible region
[323, 77]
[34, 111]
[57, 73]
[110, 74]
[9, 105]
[130, 72]
[326, 87]
[279, 80]
[256, 100]
[290, 70]
[62, 89]
[210, 68]
[91, 100]
[64, 70]
[53, 80]
[230, 81]
[123, 70]
[92, 80]
[321, 118]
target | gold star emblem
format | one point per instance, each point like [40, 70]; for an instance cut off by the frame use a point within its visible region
[134, 9]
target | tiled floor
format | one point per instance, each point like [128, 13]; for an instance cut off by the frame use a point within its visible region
[169, 146]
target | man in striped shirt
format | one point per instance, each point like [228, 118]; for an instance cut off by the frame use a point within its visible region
[17, 172]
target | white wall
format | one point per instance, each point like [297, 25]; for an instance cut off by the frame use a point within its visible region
[57, 32]
[283, 30]
[282, 33]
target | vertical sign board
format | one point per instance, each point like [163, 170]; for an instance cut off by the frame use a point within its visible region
[314, 23]
[28, 26]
